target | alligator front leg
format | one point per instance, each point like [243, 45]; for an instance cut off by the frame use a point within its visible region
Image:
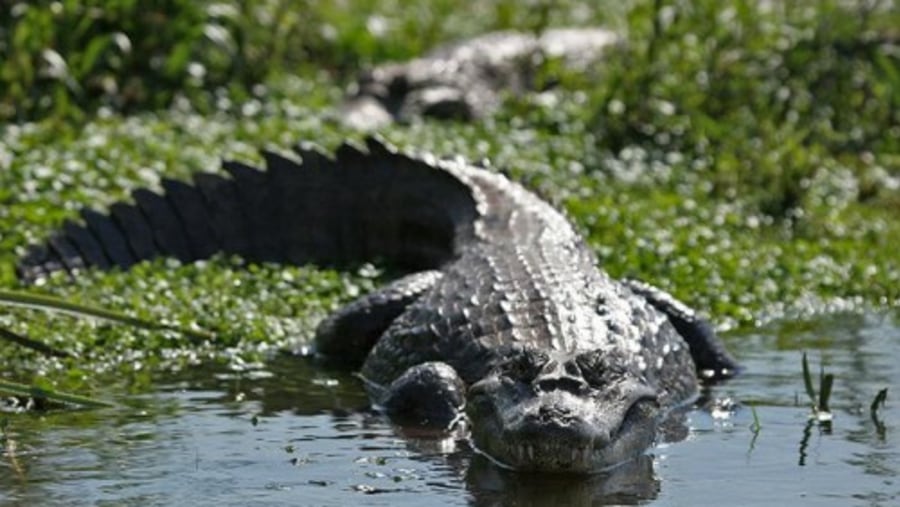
[348, 334]
[710, 356]
[430, 395]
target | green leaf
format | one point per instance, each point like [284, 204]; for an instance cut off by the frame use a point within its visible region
[88, 59]
[807, 381]
[43, 393]
[49, 303]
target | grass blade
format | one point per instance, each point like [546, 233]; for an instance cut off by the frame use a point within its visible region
[41, 393]
[807, 381]
[878, 401]
[756, 426]
[50, 303]
[27, 342]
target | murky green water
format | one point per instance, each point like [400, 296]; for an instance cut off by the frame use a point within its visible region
[295, 435]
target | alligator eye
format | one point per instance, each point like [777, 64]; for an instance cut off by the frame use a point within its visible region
[596, 368]
[523, 367]
[591, 369]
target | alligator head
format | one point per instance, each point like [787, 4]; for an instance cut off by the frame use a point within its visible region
[545, 411]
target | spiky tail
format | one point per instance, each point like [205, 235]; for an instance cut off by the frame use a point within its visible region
[359, 205]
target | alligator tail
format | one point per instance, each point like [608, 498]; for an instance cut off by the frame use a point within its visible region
[360, 205]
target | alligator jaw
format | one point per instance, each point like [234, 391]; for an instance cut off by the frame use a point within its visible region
[524, 457]
[584, 457]
[563, 432]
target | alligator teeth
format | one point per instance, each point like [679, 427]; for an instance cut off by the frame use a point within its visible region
[581, 456]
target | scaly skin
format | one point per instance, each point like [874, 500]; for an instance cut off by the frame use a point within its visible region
[506, 322]
[568, 369]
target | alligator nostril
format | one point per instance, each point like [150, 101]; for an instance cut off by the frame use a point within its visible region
[567, 384]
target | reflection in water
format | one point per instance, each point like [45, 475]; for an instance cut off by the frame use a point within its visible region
[628, 484]
[824, 429]
[488, 484]
[316, 391]
[880, 428]
[288, 383]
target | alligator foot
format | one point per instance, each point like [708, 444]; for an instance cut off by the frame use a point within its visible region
[712, 360]
[426, 395]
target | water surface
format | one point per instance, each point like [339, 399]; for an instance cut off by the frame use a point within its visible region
[295, 434]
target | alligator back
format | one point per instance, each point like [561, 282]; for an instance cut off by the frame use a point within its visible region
[360, 205]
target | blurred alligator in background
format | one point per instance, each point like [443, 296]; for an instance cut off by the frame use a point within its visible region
[467, 80]
[504, 326]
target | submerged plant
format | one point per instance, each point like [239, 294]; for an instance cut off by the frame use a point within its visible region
[873, 411]
[820, 409]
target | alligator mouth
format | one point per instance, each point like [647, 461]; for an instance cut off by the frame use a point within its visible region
[577, 447]
[549, 457]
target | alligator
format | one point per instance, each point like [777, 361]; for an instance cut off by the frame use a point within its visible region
[466, 80]
[504, 327]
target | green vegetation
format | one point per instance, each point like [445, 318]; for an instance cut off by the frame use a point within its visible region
[818, 401]
[62, 58]
[756, 425]
[44, 396]
[41, 302]
[743, 154]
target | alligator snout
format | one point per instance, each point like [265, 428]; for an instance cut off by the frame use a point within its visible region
[557, 375]
[568, 384]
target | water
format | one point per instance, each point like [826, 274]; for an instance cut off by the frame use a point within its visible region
[297, 435]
